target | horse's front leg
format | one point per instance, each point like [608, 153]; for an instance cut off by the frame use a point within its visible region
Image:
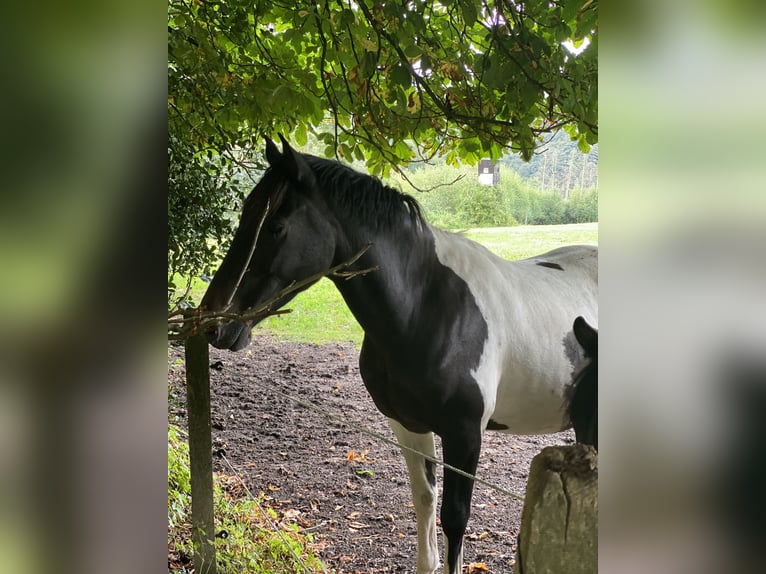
[424, 493]
[461, 449]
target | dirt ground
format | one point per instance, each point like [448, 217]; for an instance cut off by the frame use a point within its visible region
[348, 488]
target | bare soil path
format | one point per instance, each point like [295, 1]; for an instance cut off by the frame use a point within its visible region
[348, 488]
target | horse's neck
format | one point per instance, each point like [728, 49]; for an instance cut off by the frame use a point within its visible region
[383, 300]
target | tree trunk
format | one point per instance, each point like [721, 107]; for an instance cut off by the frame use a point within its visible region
[200, 453]
[559, 523]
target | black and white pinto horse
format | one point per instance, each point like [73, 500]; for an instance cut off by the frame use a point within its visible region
[457, 340]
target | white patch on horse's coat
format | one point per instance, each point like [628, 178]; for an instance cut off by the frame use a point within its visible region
[529, 309]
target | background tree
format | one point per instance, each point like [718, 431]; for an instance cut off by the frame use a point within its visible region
[378, 81]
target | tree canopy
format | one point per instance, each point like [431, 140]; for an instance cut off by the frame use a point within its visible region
[380, 81]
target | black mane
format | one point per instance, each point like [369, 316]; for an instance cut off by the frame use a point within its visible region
[361, 195]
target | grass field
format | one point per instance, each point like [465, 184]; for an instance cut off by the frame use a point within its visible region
[320, 315]
[528, 240]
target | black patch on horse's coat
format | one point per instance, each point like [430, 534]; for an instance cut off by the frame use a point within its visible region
[549, 265]
[420, 374]
[492, 425]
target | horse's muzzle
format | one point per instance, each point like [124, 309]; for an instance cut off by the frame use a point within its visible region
[233, 336]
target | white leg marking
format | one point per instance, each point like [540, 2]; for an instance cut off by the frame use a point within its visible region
[459, 566]
[424, 495]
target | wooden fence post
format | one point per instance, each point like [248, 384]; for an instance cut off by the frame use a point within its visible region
[200, 453]
[559, 523]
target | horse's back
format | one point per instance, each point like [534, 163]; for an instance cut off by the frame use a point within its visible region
[582, 257]
[563, 277]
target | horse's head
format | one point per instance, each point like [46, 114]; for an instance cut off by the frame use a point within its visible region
[295, 240]
[583, 406]
[587, 336]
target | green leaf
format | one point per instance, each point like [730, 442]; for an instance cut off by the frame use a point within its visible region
[569, 9]
[368, 64]
[347, 17]
[412, 51]
[300, 136]
[582, 144]
[400, 76]
[468, 9]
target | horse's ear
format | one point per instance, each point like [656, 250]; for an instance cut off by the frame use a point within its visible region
[272, 153]
[295, 164]
[586, 335]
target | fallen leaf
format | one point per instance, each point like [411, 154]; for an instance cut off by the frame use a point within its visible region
[357, 525]
[291, 514]
[359, 456]
[474, 536]
[477, 567]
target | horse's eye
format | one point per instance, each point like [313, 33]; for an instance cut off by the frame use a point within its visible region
[275, 228]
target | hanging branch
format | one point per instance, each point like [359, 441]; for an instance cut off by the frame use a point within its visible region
[187, 322]
[249, 255]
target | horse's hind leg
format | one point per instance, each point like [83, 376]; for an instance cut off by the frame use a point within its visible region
[424, 493]
[461, 450]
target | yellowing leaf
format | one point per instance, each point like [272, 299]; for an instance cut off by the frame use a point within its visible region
[359, 456]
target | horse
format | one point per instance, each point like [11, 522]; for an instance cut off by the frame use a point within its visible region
[583, 404]
[456, 339]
